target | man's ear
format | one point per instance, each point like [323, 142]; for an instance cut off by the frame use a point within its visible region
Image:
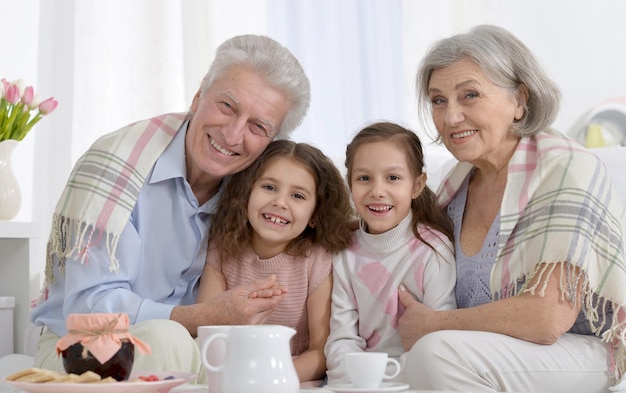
[195, 102]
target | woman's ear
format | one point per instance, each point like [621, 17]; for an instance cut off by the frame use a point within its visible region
[522, 95]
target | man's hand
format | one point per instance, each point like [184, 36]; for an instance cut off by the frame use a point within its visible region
[414, 323]
[248, 304]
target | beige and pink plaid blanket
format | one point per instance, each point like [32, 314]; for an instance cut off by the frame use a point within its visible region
[103, 188]
[560, 206]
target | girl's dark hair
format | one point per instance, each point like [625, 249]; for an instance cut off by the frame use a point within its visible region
[333, 216]
[425, 208]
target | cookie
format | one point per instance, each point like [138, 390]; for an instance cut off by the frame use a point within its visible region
[40, 375]
[34, 375]
[88, 377]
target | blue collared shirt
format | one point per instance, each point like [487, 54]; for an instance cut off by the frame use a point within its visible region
[161, 251]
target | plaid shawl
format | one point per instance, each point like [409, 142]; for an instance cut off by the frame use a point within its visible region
[103, 188]
[559, 206]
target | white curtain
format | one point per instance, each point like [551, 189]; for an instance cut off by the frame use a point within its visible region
[117, 61]
[140, 58]
[352, 53]
[114, 62]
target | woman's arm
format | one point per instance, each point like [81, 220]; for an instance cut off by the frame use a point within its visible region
[535, 318]
[311, 364]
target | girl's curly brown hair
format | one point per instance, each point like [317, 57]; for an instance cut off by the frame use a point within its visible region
[333, 216]
[424, 207]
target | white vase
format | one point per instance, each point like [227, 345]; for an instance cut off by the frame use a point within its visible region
[10, 195]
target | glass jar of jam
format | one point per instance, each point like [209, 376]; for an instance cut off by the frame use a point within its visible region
[99, 343]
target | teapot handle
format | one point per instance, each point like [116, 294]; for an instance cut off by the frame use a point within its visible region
[204, 351]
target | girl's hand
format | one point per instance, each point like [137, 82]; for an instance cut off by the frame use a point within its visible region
[267, 292]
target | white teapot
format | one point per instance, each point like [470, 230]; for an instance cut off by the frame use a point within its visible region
[258, 360]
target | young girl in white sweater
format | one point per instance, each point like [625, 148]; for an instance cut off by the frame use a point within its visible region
[404, 239]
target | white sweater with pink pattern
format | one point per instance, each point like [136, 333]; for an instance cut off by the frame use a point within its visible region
[365, 305]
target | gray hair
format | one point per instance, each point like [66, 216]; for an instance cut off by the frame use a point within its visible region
[275, 63]
[506, 61]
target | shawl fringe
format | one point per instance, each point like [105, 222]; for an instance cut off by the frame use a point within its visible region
[594, 306]
[60, 248]
[82, 239]
[616, 337]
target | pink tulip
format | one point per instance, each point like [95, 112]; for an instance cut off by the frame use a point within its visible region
[20, 85]
[34, 103]
[27, 97]
[13, 94]
[18, 100]
[48, 105]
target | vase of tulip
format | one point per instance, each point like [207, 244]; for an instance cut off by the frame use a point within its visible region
[10, 195]
[17, 101]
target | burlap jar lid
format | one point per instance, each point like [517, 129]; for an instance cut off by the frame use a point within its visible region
[100, 334]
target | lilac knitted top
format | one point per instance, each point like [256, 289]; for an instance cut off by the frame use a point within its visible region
[473, 286]
[472, 272]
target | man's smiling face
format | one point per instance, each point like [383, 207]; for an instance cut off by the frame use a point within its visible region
[233, 122]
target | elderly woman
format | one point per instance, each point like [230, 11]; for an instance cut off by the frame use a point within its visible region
[539, 234]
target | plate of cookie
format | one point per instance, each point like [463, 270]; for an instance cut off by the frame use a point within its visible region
[36, 380]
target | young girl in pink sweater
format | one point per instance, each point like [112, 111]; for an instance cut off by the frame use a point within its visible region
[284, 215]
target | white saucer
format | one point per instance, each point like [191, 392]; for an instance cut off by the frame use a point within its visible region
[384, 387]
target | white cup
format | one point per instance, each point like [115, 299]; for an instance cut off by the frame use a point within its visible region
[212, 354]
[368, 369]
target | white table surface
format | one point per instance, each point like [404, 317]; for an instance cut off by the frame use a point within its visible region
[200, 389]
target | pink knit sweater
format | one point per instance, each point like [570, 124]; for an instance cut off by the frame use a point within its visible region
[301, 275]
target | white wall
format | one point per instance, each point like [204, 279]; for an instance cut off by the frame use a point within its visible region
[18, 59]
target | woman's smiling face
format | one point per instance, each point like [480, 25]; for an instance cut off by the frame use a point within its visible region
[472, 114]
